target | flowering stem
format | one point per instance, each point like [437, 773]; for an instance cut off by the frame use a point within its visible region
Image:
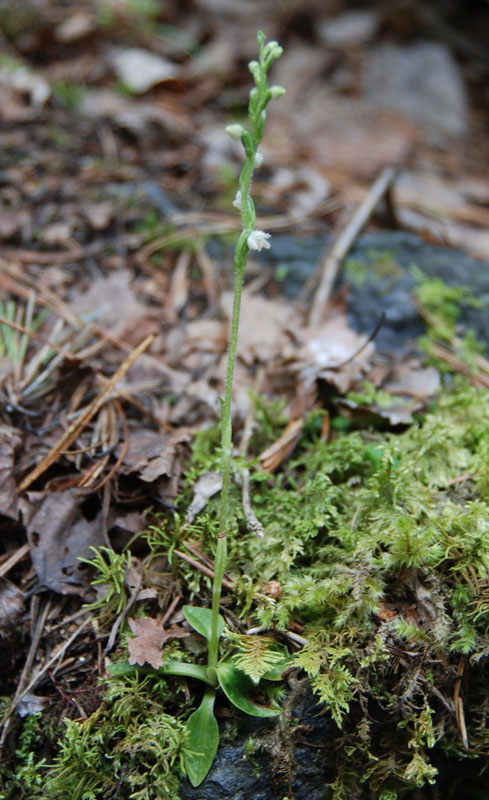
[248, 239]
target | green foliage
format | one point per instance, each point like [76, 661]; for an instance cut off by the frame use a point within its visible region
[25, 775]
[202, 740]
[443, 302]
[129, 743]
[110, 568]
[67, 94]
[257, 655]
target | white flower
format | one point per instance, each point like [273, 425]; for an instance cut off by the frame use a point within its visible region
[258, 160]
[257, 240]
[237, 200]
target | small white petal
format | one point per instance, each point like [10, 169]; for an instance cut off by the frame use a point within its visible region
[258, 160]
[237, 200]
[257, 240]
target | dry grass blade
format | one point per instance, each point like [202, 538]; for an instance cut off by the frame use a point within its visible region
[76, 427]
[272, 457]
[13, 559]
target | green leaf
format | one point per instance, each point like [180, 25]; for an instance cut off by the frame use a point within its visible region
[202, 740]
[201, 620]
[235, 685]
[121, 669]
[172, 667]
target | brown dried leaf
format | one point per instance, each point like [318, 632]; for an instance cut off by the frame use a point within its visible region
[9, 441]
[148, 641]
[58, 537]
[262, 326]
[154, 454]
[11, 605]
[112, 301]
[272, 457]
[333, 352]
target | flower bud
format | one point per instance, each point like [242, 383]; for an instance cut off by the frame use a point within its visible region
[235, 131]
[273, 49]
[276, 92]
[254, 68]
[258, 160]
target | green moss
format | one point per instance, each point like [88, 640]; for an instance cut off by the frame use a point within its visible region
[129, 745]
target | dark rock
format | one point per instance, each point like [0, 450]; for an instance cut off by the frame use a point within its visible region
[379, 280]
[386, 284]
[271, 759]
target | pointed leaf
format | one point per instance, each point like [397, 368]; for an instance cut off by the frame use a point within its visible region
[235, 685]
[202, 740]
[201, 620]
[174, 667]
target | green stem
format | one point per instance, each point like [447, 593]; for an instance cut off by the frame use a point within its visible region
[250, 143]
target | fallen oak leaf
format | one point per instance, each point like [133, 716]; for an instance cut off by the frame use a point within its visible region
[148, 641]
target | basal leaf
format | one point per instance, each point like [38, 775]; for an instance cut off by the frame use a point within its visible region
[235, 685]
[201, 620]
[202, 740]
[174, 667]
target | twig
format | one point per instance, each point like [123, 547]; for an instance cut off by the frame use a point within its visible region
[169, 611]
[253, 523]
[121, 617]
[205, 570]
[459, 706]
[335, 255]
[38, 622]
[14, 559]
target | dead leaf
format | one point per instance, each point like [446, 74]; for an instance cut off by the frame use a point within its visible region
[59, 536]
[153, 454]
[75, 27]
[262, 326]
[11, 605]
[9, 441]
[414, 381]
[111, 302]
[140, 69]
[23, 80]
[206, 487]
[99, 215]
[333, 352]
[272, 457]
[135, 115]
[148, 641]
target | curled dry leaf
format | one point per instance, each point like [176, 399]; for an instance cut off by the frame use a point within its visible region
[333, 352]
[207, 485]
[148, 641]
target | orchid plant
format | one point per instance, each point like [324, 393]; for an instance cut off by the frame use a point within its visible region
[202, 730]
